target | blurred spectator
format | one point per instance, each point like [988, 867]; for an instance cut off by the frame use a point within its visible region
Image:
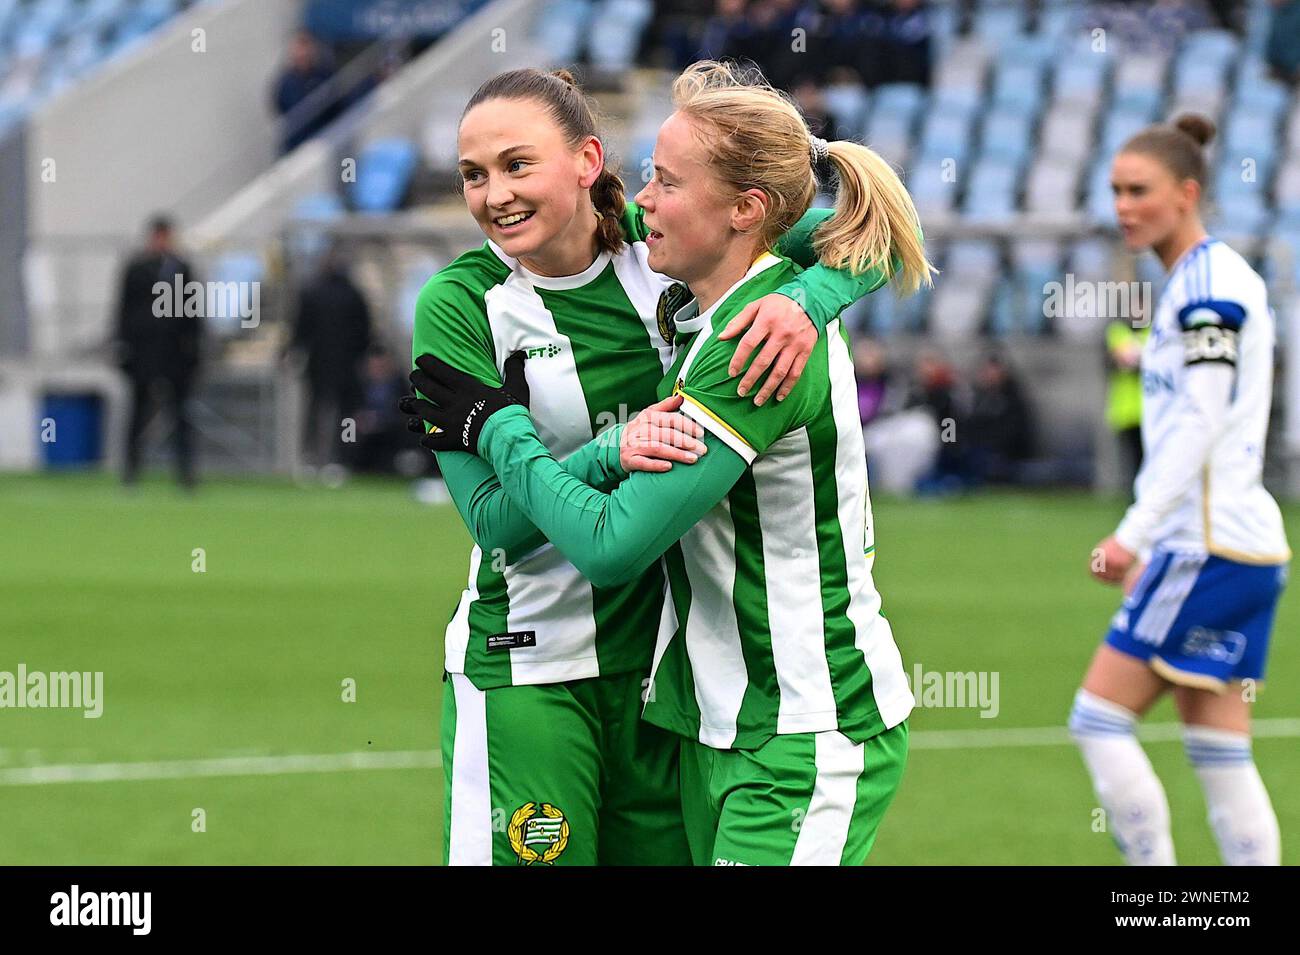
[934, 392]
[999, 430]
[904, 45]
[332, 329]
[1283, 52]
[1157, 26]
[872, 373]
[1124, 392]
[308, 70]
[934, 386]
[380, 431]
[720, 33]
[901, 445]
[158, 344]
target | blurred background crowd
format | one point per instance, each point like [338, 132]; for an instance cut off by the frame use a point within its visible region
[310, 157]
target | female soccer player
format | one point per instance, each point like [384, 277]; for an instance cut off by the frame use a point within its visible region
[773, 664]
[1197, 620]
[545, 759]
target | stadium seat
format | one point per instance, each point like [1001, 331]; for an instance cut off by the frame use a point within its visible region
[1100, 202]
[947, 134]
[1196, 77]
[956, 99]
[1067, 134]
[932, 191]
[1248, 131]
[1029, 49]
[1217, 46]
[991, 191]
[957, 310]
[1080, 79]
[995, 21]
[1052, 187]
[384, 170]
[1019, 86]
[1286, 188]
[562, 28]
[900, 99]
[1058, 19]
[1007, 136]
[1118, 127]
[616, 29]
[848, 103]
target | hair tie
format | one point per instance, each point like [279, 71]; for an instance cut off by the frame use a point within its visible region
[818, 149]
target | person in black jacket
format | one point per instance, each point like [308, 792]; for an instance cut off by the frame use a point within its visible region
[158, 344]
[332, 328]
[1000, 423]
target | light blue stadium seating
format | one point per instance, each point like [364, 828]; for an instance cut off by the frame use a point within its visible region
[1100, 201]
[1018, 85]
[903, 99]
[1007, 136]
[616, 29]
[995, 21]
[384, 171]
[947, 134]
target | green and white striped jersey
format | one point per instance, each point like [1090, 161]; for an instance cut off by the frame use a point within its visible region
[594, 357]
[774, 624]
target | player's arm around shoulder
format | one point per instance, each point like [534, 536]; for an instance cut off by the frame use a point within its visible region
[710, 398]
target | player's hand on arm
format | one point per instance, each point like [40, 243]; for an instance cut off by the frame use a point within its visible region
[1111, 561]
[658, 436]
[458, 405]
[787, 336]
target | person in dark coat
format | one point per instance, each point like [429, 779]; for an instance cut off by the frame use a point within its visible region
[1000, 427]
[158, 345]
[332, 329]
[308, 70]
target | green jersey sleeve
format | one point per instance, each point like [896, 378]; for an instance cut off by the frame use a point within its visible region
[709, 397]
[496, 523]
[611, 538]
[451, 324]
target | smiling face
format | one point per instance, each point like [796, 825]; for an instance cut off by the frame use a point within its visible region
[693, 216]
[529, 190]
[1150, 202]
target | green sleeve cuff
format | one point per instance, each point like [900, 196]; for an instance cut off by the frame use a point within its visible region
[611, 538]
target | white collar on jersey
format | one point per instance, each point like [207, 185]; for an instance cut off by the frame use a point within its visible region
[690, 319]
[554, 282]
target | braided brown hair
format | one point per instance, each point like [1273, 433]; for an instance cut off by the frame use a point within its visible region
[559, 92]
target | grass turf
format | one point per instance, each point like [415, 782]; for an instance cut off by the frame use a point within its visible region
[304, 588]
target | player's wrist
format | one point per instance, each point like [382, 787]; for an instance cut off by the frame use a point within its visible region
[498, 426]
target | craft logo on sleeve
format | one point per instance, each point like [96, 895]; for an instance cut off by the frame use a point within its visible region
[132, 909]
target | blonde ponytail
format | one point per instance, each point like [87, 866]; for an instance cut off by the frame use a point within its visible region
[761, 142]
[874, 222]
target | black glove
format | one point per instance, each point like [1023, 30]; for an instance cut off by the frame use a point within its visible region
[459, 405]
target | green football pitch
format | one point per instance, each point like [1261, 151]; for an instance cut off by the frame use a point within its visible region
[228, 625]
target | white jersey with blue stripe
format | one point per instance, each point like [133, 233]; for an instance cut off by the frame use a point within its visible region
[1207, 382]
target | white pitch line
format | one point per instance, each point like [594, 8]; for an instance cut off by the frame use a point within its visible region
[1011, 737]
[1060, 736]
[226, 766]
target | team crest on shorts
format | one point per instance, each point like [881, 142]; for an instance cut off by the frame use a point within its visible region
[670, 300]
[538, 833]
